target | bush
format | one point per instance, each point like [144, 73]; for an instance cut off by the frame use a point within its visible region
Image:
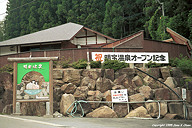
[64, 63]
[153, 64]
[114, 64]
[185, 65]
[81, 64]
[95, 64]
[7, 68]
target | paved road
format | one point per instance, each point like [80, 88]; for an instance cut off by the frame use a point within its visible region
[40, 122]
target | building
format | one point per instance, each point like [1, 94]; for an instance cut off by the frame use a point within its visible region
[74, 41]
[68, 35]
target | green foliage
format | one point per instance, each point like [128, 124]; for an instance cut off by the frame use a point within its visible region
[80, 64]
[63, 62]
[153, 64]
[184, 64]
[95, 64]
[114, 64]
[112, 17]
[7, 68]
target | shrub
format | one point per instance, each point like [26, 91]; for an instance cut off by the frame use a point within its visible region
[95, 64]
[7, 68]
[64, 63]
[153, 64]
[185, 65]
[80, 64]
[114, 64]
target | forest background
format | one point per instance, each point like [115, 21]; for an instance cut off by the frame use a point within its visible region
[115, 18]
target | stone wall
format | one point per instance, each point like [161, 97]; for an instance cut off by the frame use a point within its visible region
[95, 85]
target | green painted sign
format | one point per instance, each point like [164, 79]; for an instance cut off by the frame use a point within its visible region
[24, 68]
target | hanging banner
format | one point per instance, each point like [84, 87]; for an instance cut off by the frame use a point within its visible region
[132, 57]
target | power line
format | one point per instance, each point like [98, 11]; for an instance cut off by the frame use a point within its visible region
[19, 7]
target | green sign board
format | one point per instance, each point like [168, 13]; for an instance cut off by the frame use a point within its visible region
[33, 80]
[24, 68]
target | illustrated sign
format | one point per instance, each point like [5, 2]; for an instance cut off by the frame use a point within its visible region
[119, 95]
[32, 80]
[132, 57]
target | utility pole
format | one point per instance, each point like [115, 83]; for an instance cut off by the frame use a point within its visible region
[162, 8]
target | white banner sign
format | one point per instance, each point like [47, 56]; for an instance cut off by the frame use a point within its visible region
[119, 95]
[132, 57]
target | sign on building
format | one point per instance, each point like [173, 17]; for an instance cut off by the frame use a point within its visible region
[132, 57]
[119, 95]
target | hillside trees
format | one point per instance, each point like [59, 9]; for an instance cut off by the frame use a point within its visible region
[112, 17]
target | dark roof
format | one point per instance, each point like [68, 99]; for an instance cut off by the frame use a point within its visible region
[59, 33]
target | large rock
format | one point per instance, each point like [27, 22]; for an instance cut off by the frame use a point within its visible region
[8, 97]
[81, 93]
[155, 72]
[66, 101]
[117, 87]
[33, 109]
[130, 72]
[178, 90]
[121, 110]
[139, 112]
[57, 74]
[153, 108]
[94, 96]
[109, 74]
[107, 97]
[171, 82]
[8, 109]
[90, 83]
[176, 72]
[93, 73]
[152, 83]
[57, 94]
[172, 116]
[189, 96]
[6, 81]
[139, 73]
[135, 98]
[127, 83]
[165, 72]
[102, 112]
[138, 81]
[58, 83]
[103, 84]
[146, 91]
[176, 108]
[86, 108]
[68, 88]
[162, 94]
[72, 76]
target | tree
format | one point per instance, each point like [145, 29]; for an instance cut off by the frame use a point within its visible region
[1, 31]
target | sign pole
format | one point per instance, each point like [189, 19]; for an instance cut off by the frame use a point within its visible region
[14, 86]
[51, 86]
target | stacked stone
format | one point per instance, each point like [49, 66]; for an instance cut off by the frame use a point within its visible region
[95, 85]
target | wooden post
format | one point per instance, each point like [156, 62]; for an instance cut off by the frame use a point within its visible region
[14, 86]
[51, 86]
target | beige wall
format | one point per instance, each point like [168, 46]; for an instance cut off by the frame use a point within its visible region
[8, 50]
[90, 40]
